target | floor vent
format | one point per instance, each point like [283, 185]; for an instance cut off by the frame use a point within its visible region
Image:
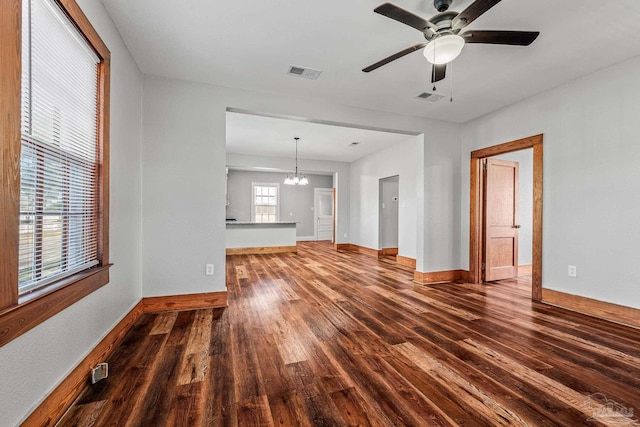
[430, 96]
[307, 73]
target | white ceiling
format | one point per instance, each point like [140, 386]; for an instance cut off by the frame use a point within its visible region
[268, 136]
[251, 43]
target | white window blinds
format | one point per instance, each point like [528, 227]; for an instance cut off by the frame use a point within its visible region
[59, 160]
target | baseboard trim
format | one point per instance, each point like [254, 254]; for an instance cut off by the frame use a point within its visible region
[364, 250]
[406, 261]
[409, 262]
[359, 249]
[185, 302]
[525, 270]
[305, 238]
[49, 412]
[54, 406]
[605, 310]
[387, 251]
[433, 277]
[262, 250]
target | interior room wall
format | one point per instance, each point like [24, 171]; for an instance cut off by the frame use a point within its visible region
[591, 179]
[32, 365]
[439, 207]
[401, 160]
[525, 202]
[388, 212]
[183, 176]
[296, 202]
[339, 171]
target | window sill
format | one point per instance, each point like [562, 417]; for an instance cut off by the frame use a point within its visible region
[38, 306]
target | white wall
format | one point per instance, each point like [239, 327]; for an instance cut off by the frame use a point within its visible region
[439, 209]
[33, 364]
[295, 201]
[340, 171]
[591, 179]
[402, 160]
[184, 175]
[525, 202]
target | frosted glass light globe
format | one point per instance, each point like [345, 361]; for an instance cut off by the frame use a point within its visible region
[444, 49]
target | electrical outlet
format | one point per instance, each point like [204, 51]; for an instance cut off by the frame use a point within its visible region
[209, 270]
[345, 234]
[573, 271]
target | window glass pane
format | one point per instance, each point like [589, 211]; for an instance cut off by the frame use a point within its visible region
[265, 202]
[59, 159]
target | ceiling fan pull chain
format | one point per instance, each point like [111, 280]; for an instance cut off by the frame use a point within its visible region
[433, 67]
[451, 78]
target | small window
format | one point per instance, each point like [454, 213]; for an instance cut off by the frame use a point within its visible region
[265, 204]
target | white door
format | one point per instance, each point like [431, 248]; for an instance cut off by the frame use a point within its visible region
[323, 208]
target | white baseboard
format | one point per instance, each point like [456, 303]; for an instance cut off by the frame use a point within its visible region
[305, 238]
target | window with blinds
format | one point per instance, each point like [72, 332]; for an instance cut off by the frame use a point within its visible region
[265, 202]
[59, 159]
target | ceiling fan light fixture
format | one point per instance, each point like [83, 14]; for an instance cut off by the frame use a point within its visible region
[443, 50]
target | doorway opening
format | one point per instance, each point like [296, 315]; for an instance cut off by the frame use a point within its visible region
[480, 232]
[388, 222]
[324, 209]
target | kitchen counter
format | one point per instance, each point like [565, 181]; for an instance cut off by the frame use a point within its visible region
[250, 237]
[260, 223]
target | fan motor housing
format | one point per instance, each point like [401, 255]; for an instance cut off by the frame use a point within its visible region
[441, 5]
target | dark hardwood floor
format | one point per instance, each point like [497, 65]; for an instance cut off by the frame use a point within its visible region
[326, 338]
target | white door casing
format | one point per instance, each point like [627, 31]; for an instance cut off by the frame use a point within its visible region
[323, 209]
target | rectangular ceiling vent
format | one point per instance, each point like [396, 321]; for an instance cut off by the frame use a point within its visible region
[430, 96]
[307, 73]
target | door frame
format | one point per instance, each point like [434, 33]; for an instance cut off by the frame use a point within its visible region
[476, 208]
[397, 206]
[315, 211]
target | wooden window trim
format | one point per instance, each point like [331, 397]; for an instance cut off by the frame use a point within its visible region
[18, 314]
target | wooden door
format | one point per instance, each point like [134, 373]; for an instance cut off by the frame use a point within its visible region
[324, 213]
[500, 220]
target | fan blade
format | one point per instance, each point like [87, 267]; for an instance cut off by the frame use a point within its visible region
[438, 72]
[394, 57]
[472, 12]
[516, 38]
[394, 12]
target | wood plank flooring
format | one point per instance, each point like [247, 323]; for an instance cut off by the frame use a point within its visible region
[326, 338]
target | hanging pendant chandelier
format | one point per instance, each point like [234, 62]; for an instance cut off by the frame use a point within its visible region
[295, 179]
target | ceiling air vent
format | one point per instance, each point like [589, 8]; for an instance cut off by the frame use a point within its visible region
[430, 96]
[353, 144]
[307, 73]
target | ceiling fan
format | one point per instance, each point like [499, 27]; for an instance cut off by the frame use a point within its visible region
[443, 41]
